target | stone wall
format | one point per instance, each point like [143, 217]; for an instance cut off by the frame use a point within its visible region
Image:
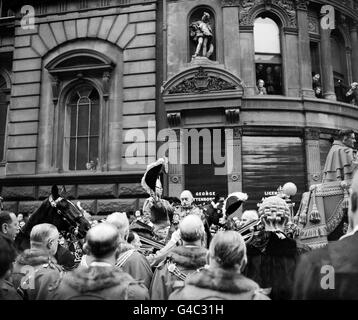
[97, 199]
[130, 29]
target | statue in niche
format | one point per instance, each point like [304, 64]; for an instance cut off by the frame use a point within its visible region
[202, 33]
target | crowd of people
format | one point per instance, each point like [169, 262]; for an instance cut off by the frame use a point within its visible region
[209, 252]
[189, 267]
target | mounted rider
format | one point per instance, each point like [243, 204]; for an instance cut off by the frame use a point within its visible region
[157, 212]
[341, 160]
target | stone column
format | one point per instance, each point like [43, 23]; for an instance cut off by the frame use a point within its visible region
[354, 37]
[304, 55]
[313, 158]
[327, 68]
[176, 181]
[233, 138]
[247, 54]
[231, 38]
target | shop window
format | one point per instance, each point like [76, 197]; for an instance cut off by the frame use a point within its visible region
[268, 162]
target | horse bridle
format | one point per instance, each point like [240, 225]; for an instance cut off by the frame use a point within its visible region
[54, 203]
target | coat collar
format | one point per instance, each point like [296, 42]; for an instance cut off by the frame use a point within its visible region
[222, 280]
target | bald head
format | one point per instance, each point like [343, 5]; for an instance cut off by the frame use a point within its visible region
[191, 228]
[102, 240]
[45, 236]
[120, 221]
[186, 198]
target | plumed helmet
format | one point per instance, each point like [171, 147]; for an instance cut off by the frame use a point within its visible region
[152, 175]
[233, 202]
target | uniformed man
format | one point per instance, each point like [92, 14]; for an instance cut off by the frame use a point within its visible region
[36, 268]
[182, 260]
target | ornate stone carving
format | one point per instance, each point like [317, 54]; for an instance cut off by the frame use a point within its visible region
[175, 179]
[235, 177]
[230, 3]
[55, 84]
[247, 6]
[201, 83]
[174, 119]
[302, 4]
[316, 176]
[313, 23]
[232, 116]
[105, 83]
[312, 134]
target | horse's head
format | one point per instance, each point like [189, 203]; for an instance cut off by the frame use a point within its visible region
[73, 218]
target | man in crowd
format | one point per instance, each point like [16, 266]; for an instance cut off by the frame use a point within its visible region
[223, 278]
[7, 257]
[129, 260]
[182, 260]
[341, 159]
[101, 280]
[272, 255]
[36, 268]
[9, 226]
[331, 273]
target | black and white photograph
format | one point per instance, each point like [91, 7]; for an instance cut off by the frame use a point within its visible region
[171, 152]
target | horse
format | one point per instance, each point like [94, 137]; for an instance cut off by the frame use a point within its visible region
[64, 215]
[322, 215]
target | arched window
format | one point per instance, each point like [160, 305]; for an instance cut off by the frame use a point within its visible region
[3, 115]
[268, 58]
[339, 63]
[81, 128]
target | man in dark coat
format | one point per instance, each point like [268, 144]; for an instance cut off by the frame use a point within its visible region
[182, 260]
[7, 257]
[272, 255]
[101, 280]
[332, 272]
[222, 279]
[36, 268]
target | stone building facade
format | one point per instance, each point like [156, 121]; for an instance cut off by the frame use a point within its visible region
[73, 88]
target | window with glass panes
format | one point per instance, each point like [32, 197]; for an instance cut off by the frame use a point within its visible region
[82, 125]
[268, 59]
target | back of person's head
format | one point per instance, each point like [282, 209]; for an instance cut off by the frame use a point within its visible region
[191, 228]
[7, 257]
[121, 222]
[102, 240]
[228, 250]
[45, 236]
